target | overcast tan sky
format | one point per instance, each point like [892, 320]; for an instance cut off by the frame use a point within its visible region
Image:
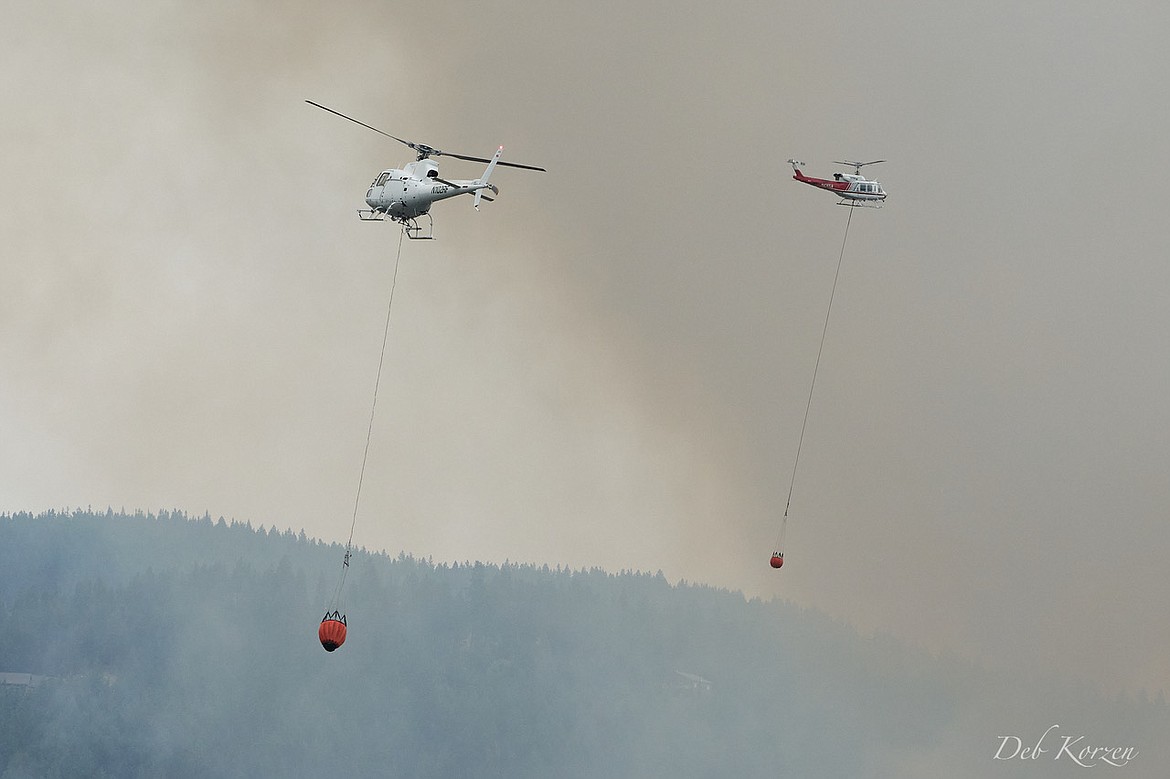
[608, 366]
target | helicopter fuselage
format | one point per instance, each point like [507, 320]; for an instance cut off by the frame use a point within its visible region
[408, 193]
[849, 186]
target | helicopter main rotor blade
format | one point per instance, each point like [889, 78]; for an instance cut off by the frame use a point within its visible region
[422, 148]
[481, 159]
[363, 124]
[522, 167]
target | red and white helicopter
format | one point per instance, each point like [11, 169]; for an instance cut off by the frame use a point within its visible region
[405, 195]
[853, 188]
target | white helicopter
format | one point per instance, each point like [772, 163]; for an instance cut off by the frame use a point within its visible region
[853, 188]
[405, 195]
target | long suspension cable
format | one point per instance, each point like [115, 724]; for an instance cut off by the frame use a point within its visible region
[816, 367]
[370, 429]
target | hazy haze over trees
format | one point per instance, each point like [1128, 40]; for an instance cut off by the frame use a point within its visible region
[178, 646]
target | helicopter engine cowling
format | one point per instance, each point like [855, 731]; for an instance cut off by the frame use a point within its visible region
[422, 169]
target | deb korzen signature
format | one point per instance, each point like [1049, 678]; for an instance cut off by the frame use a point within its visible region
[1054, 745]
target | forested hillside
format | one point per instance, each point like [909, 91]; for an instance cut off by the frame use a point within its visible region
[176, 646]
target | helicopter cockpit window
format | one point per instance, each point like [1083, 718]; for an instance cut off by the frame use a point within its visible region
[382, 179]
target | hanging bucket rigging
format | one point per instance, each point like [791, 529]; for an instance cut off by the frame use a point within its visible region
[333, 626]
[332, 630]
[777, 559]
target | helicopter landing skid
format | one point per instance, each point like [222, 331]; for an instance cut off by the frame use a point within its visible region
[411, 227]
[859, 204]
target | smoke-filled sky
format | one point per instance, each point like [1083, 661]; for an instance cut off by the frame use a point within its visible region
[609, 365]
